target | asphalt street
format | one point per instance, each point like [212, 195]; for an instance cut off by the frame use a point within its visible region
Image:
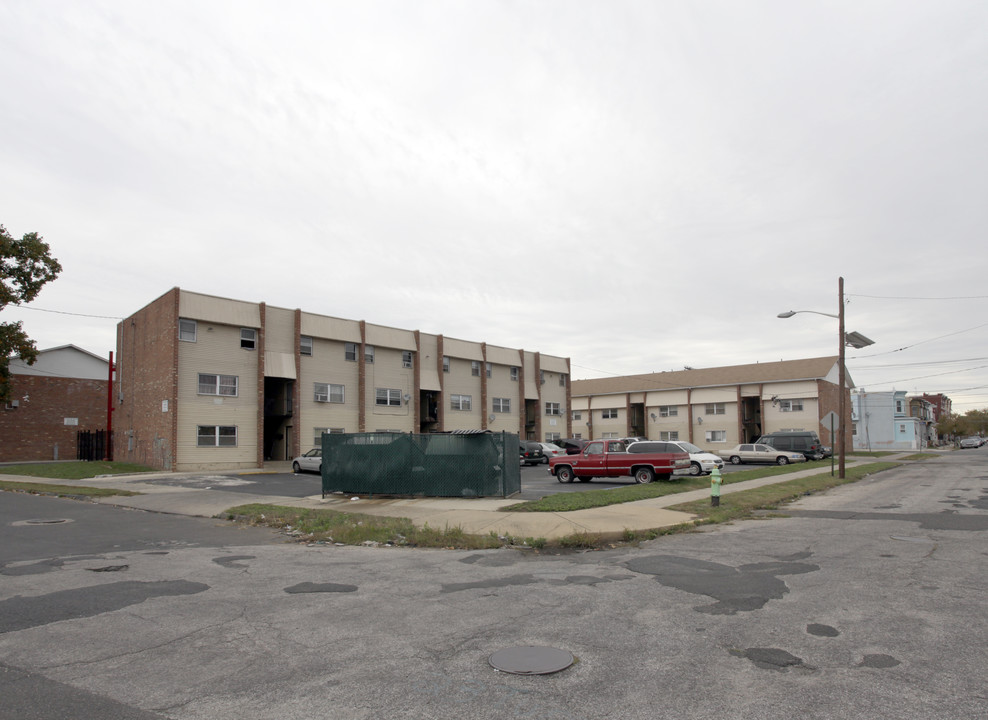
[865, 601]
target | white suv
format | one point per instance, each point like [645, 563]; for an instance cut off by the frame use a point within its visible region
[701, 461]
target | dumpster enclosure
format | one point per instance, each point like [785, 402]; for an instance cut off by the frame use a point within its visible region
[467, 464]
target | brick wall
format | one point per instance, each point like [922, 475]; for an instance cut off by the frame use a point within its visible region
[37, 427]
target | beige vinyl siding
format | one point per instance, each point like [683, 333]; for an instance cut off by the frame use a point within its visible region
[429, 362]
[500, 385]
[462, 349]
[774, 420]
[386, 372]
[531, 377]
[460, 381]
[503, 356]
[327, 365]
[381, 336]
[330, 328]
[279, 331]
[219, 310]
[553, 364]
[216, 351]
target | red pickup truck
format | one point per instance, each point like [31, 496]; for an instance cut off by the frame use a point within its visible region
[609, 458]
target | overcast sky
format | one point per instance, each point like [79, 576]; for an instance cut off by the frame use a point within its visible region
[638, 186]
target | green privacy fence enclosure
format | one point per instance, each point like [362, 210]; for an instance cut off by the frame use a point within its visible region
[468, 464]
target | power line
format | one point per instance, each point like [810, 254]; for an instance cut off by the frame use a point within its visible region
[906, 347]
[62, 312]
[896, 297]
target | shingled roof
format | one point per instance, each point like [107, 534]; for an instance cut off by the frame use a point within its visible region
[782, 371]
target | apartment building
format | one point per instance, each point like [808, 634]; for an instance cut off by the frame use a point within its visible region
[714, 408]
[207, 382]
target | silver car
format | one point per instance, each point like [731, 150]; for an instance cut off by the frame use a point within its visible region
[758, 453]
[310, 462]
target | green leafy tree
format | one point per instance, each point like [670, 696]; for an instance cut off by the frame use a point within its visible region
[26, 265]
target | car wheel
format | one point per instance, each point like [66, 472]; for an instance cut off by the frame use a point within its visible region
[644, 475]
[735, 460]
[295, 468]
[782, 460]
[695, 469]
[564, 474]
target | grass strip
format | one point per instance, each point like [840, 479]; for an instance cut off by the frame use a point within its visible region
[60, 490]
[318, 525]
[75, 470]
[567, 502]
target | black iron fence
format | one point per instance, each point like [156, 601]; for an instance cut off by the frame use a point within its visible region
[469, 465]
[93, 445]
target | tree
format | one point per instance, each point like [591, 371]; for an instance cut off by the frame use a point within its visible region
[26, 265]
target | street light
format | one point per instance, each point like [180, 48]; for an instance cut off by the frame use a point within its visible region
[852, 339]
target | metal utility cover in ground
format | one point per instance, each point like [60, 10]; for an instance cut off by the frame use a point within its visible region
[531, 660]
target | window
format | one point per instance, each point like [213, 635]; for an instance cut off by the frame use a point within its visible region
[790, 406]
[187, 330]
[577, 415]
[552, 408]
[475, 368]
[541, 377]
[609, 435]
[327, 392]
[388, 397]
[216, 436]
[668, 410]
[445, 363]
[487, 369]
[669, 435]
[562, 380]
[406, 358]
[218, 385]
[715, 409]
[305, 345]
[368, 353]
[514, 374]
[609, 414]
[502, 405]
[716, 436]
[898, 406]
[460, 402]
[350, 352]
[317, 440]
[552, 437]
[248, 338]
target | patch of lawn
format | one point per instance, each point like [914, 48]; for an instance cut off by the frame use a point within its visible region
[76, 470]
[60, 490]
[330, 526]
[565, 502]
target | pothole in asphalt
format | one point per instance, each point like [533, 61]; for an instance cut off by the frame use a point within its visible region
[43, 521]
[531, 660]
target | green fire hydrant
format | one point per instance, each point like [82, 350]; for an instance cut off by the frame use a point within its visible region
[715, 481]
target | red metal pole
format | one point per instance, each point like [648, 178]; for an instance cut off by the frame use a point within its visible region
[108, 445]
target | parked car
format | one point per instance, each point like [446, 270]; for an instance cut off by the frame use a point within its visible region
[758, 453]
[971, 442]
[572, 446]
[701, 461]
[804, 441]
[310, 462]
[628, 440]
[610, 459]
[531, 453]
[551, 450]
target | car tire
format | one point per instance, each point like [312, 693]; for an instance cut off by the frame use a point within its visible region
[545, 459]
[564, 474]
[644, 475]
[695, 469]
[295, 468]
[735, 460]
[782, 460]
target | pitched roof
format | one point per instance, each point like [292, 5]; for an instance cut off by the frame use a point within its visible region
[782, 371]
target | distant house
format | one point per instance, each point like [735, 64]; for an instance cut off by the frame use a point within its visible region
[882, 421]
[65, 391]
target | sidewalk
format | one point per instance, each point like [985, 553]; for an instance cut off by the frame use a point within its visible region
[475, 516]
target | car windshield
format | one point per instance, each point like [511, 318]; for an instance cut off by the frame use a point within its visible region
[690, 447]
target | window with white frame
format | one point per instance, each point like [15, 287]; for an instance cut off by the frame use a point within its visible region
[328, 393]
[187, 330]
[578, 436]
[305, 345]
[502, 405]
[790, 406]
[350, 352]
[475, 368]
[388, 397]
[445, 363]
[317, 439]
[609, 435]
[562, 379]
[460, 402]
[541, 377]
[248, 338]
[552, 437]
[514, 374]
[669, 435]
[609, 414]
[216, 436]
[715, 409]
[898, 406]
[552, 408]
[716, 436]
[488, 368]
[577, 415]
[368, 353]
[406, 358]
[225, 385]
[668, 410]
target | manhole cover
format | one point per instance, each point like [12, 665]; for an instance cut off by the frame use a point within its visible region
[42, 521]
[905, 538]
[531, 660]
